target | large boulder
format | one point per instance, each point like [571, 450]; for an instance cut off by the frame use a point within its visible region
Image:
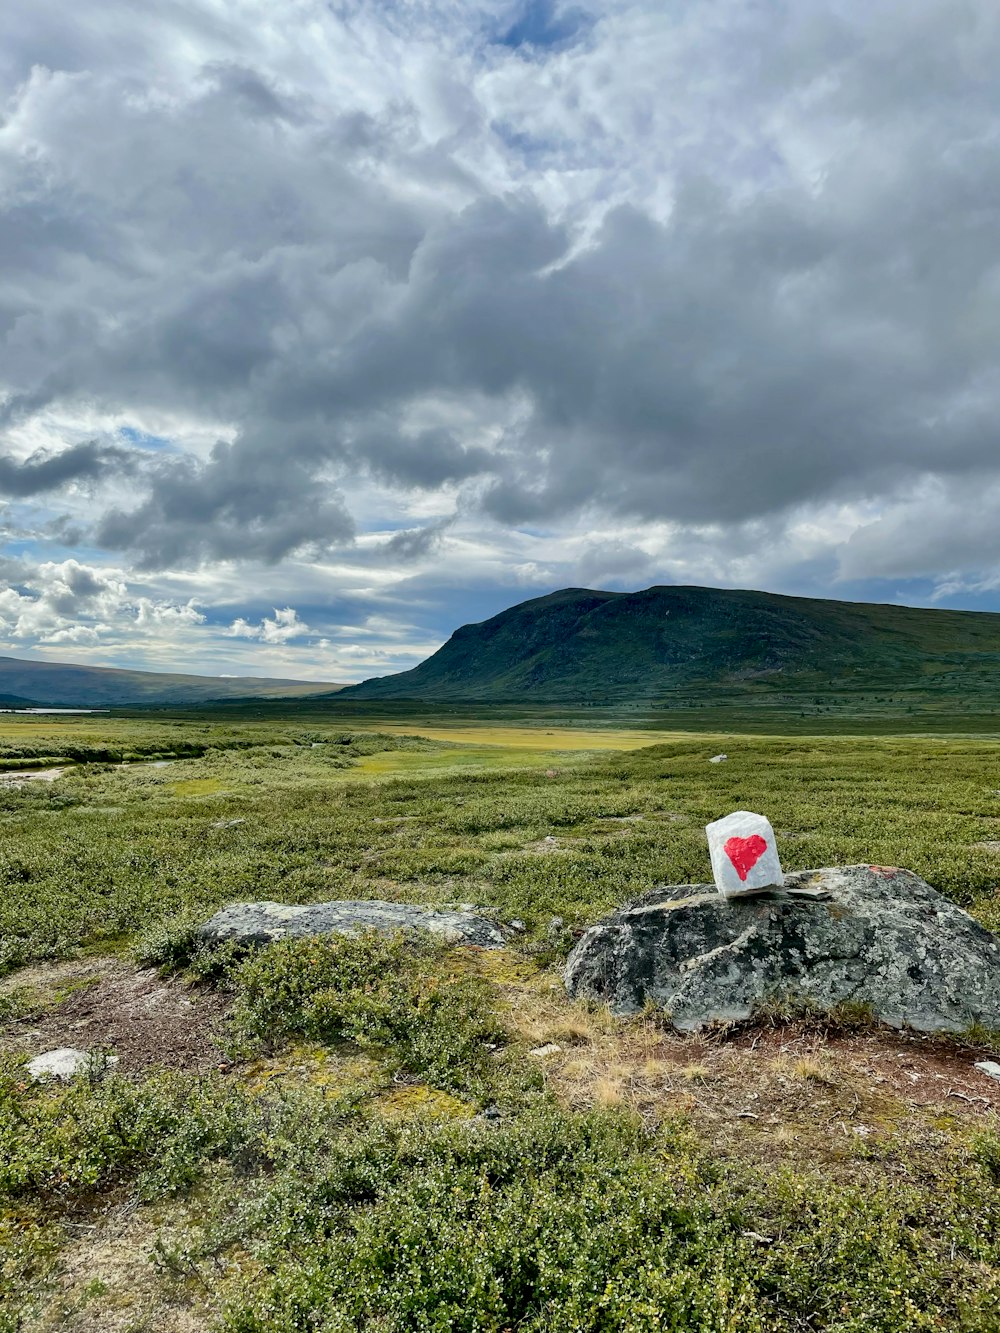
[261, 922]
[872, 935]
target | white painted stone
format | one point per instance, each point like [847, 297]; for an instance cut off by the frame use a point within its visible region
[990, 1068]
[718, 758]
[64, 1063]
[744, 854]
[550, 1048]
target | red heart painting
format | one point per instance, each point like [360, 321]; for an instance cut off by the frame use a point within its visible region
[745, 853]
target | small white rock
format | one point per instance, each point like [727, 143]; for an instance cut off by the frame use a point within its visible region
[718, 758]
[64, 1063]
[517, 924]
[744, 854]
[990, 1068]
[550, 1048]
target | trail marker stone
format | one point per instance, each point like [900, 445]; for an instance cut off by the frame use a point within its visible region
[744, 854]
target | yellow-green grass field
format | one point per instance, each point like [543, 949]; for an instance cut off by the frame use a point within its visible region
[360, 1134]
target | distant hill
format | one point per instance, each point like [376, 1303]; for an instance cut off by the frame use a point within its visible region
[25, 684]
[579, 645]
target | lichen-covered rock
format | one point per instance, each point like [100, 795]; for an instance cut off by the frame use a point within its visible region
[261, 922]
[870, 935]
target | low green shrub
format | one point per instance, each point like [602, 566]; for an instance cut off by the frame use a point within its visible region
[63, 1140]
[987, 1151]
[590, 1224]
[317, 1217]
[393, 993]
[175, 944]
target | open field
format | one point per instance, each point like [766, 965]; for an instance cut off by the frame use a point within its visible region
[750, 710]
[357, 1135]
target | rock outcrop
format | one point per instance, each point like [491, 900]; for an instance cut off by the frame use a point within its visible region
[871, 935]
[261, 922]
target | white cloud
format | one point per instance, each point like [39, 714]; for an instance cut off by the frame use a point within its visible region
[149, 612]
[76, 635]
[279, 628]
[68, 602]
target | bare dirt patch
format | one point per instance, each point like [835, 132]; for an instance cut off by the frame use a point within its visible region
[105, 1004]
[18, 777]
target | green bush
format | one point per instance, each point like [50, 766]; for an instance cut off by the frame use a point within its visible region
[64, 1140]
[59, 1141]
[318, 1218]
[590, 1224]
[175, 944]
[392, 993]
[987, 1150]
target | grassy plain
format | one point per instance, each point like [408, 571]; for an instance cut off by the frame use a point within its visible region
[374, 1146]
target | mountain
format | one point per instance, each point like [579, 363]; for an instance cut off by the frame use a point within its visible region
[63, 684]
[585, 646]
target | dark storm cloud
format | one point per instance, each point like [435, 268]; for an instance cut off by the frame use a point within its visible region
[240, 504]
[412, 543]
[811, 316]
[428, 459]
[43, 472]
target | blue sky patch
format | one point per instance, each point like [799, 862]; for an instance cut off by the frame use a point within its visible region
[141, 439]
[545, 24]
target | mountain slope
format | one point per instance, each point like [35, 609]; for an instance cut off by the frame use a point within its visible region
[63, 684]
[581, 645]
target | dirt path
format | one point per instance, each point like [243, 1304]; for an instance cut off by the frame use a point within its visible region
[105, 1004]
[19, 776]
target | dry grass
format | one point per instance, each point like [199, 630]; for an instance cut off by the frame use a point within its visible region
[108, 1281]
[784, 1092]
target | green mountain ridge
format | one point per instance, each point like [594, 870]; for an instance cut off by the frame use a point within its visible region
[583, 645]
[27, 684]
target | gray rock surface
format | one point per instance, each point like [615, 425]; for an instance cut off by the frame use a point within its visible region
[872, 935]
[262, 922]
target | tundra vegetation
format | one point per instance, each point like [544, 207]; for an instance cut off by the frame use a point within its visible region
[387, 1134]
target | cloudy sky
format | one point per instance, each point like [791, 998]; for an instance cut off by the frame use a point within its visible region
[327, 327]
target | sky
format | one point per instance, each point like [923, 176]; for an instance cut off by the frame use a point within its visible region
[328, 327]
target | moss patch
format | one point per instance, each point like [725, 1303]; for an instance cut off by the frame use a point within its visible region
[418, 1100]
